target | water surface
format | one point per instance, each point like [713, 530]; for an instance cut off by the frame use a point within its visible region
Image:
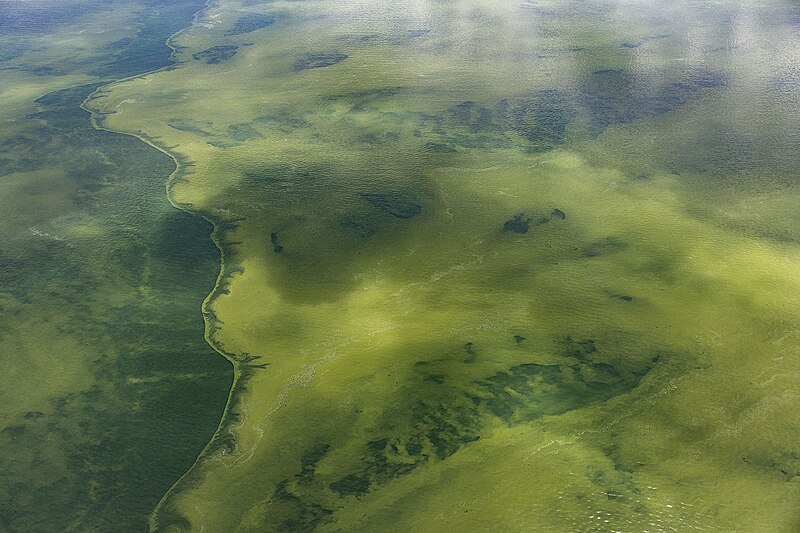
[486, 266]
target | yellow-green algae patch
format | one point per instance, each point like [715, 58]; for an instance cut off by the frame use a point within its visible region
[478, 275]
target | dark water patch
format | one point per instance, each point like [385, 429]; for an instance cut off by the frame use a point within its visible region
[188, 126]
[519, 223]
[276, 246]
[396, 204]
[216, 54]
[439, 148]
[512, 392]
[370, 38]
[308, 463]
[244, 132]
[283, 121]
[529, 391]
[522, 222]
[611, 98]
[378, 139]
[558, 51]
[351, 485]
[605, 246]
[361, 227]
[470, 352]
[788, 464]
[250, 22]
[639, 42]
[580, 349]
[615, 96]
[437, 431]
[295, 515]
[539, 120]
[223, 143]
[235, 134]
[318, 60]
[474, 117]
[13, 432]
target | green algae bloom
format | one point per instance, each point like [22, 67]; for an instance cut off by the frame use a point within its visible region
[477, 266]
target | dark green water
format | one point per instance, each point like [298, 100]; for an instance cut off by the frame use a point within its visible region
[105, 292]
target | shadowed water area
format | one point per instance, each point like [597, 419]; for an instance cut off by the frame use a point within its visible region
[486, 266]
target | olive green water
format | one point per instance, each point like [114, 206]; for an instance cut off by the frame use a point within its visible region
[486, 266]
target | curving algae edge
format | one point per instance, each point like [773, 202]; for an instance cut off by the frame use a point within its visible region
[223, 440]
